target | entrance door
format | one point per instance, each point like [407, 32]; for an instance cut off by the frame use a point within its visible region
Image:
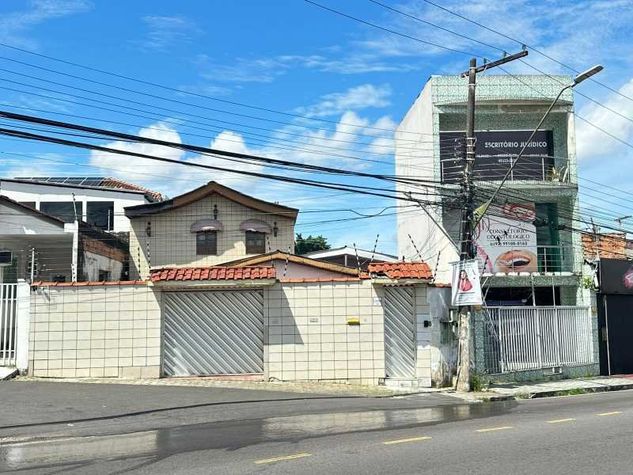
[616, 316]
[400, 347]
[213, 332]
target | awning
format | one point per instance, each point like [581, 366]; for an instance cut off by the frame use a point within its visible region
[207, 225]
[255, 225]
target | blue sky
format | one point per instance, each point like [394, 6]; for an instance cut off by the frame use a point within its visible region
[353, 82]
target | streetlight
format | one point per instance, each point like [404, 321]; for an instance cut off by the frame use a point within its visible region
[577, 80]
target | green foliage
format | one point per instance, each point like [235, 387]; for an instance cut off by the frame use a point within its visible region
[310, 244]
[479, 382]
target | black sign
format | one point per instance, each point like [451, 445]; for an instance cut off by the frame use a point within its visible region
[495, 152]
[616, 276]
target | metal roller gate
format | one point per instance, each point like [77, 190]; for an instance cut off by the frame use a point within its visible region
[213, 332]
[400, 344]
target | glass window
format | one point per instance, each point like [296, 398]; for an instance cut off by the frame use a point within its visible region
[207, 243]
[100, 214]
[64, 210]
[255, 242]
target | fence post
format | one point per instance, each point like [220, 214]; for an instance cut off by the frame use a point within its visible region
[539, 338]
[23, 325]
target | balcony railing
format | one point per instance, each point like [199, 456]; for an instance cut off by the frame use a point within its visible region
[530, 168]
[531, 338]
[551, 260]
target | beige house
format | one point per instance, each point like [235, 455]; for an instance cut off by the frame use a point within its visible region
[208, 226]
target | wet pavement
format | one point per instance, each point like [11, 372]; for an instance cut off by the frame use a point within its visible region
[312, 435]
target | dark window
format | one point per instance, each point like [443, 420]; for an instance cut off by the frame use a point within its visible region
[104, 276]
[64, 210]
[30, 204]
[100, 214]
[207, 243]
[255, 242]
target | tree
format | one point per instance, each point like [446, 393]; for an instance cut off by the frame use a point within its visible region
[310, 244]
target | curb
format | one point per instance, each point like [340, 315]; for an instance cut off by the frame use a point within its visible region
[555, 393]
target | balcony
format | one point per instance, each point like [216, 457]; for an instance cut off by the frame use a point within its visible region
[550, 260]
[530, 168]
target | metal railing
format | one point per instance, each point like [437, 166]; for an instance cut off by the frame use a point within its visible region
[549, 260]
[8, 318]
[530, 338]
[530, 168]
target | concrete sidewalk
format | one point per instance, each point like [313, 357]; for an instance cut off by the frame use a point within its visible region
[509, 391]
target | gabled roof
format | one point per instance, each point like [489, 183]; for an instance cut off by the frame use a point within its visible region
[209, 189]
[212, 273]
[32, 211]
[282, 256]
[350, 251]
[401, 270]
[102, 183]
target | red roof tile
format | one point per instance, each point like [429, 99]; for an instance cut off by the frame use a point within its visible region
[91, 284]
[401, 270]
[212, 273]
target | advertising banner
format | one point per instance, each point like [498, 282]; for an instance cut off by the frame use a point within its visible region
[465, 288]
[616, 276]
[494, 153]
[506, 239]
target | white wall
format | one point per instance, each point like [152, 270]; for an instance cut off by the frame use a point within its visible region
[93, 263]
[95, 331]
[416, 144]
[26, 192]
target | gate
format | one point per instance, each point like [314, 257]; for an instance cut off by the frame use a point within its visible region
[213, 332]
[616, 324]
[529, 338]
[400, 346]
[8, 318]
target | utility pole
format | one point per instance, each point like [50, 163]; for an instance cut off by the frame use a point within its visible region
[468, 213]
[467, 248]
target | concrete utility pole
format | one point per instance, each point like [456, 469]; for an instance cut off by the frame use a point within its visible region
[468, 212]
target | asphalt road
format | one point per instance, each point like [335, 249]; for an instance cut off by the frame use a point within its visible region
[415, 434]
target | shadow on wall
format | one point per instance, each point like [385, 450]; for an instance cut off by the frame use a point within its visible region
[444, 362]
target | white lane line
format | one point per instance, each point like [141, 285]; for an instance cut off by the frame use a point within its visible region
[493, 429]
[610, 413]
[558, 421]
[402, 441]
[283, 458]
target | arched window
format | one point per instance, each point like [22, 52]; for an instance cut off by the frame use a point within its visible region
[207, 243]
[255, 231]
[207, 236]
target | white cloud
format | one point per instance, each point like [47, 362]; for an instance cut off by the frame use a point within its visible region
[355, 98]
[592, 142]
[164, 31]
[14, 26]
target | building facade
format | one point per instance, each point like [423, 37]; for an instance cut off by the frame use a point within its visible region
[98, 201]
[527, 244]
[208, 226]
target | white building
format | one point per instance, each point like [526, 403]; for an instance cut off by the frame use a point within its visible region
[98, 201]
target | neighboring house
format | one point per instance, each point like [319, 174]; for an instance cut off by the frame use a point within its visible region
[292, 267]
[608, 245]
[98, 201]
[208, 226]
[38, 246]
[351, 257]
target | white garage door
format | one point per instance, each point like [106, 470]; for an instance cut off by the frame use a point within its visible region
[213, 332]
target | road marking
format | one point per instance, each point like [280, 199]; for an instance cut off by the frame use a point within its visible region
[402, 441]
[282, 458]
[558, 421]
[610, 413]
[492, 429]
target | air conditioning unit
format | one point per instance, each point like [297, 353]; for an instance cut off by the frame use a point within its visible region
[6, 258]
